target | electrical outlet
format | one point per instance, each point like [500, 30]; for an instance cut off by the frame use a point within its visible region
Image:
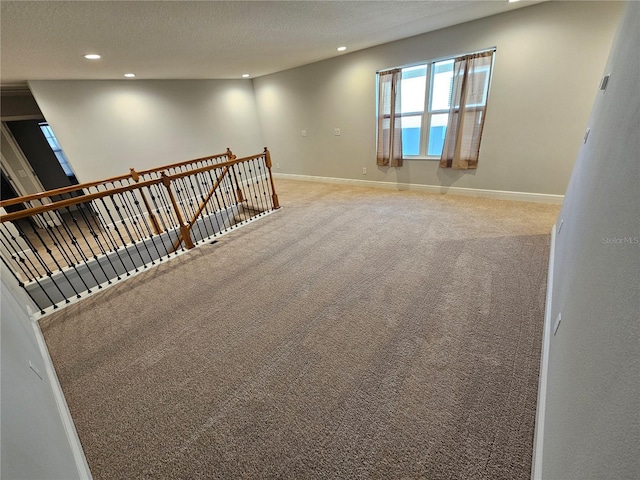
[304, 133]
[336, 132]
[364, 170]
[277, 165]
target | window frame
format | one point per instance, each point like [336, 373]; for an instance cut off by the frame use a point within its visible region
[427, 113]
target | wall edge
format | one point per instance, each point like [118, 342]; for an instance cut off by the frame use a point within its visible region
[538, 433]
[82, 466]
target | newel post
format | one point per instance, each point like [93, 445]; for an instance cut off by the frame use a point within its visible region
[184, 228]
[267, 162]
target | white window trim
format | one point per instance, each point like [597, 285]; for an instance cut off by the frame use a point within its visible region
[426, 115]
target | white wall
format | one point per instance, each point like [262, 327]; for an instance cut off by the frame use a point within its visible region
[106, 127]
[592, 408]
[36, 443]
[548, 61]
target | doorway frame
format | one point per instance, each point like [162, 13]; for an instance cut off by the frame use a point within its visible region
[9, 172]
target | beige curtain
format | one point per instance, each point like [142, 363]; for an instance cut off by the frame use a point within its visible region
[467, 113]
[389, 120]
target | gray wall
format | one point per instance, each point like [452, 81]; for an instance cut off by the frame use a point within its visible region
[106, 127]
[549, 57]
[548, 61]
[592, 424]
[34, 441]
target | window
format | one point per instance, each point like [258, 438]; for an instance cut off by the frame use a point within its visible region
[426, 102]
[55, 146]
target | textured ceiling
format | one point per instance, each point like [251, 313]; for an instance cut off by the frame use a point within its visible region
[42, 40]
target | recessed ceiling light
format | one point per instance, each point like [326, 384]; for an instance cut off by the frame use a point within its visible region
[129, 75]
[342, 49]
[92, 56]
[513, 1]
[245, 75]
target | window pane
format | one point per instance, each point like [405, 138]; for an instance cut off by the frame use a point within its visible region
[411, 135]
[413, 89]
[55, 146]
[442, 83]
[437, 131]
[62, 160]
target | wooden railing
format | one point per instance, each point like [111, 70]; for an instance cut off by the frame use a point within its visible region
[67, 242]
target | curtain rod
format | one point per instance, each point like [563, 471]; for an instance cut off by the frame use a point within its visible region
[448, 57]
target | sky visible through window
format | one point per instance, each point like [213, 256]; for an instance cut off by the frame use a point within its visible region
[414, 105]
[55, 146]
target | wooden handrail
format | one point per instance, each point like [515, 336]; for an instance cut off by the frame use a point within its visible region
[207, 168]
[186, 162]
[75, 201]
[61, 191]
[81, 186]
[184, 236]
[92, 196]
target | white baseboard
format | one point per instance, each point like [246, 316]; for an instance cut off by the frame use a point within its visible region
[538, 437]
[82, 466]
[467, 192]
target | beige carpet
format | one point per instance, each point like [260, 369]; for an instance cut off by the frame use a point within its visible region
[356, 333]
